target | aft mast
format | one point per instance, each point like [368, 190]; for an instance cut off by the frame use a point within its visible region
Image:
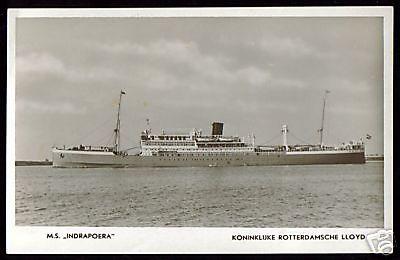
[117, 131]
[321, 130]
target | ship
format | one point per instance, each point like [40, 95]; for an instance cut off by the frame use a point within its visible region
[194, 149]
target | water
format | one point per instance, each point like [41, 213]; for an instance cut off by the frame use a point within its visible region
[280, 196]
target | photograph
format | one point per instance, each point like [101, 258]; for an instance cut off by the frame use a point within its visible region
[199, 121]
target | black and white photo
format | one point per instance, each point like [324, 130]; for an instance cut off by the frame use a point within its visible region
[245, 122]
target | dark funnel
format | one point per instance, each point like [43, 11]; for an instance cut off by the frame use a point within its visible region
[217, 128]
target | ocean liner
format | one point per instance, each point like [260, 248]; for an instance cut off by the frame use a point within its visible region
[195, 149]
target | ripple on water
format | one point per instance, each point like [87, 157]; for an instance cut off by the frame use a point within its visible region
[298, 196]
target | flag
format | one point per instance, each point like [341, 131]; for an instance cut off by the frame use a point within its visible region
[369, 136]
[123, 92]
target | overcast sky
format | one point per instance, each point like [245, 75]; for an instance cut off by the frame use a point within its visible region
[253, 74]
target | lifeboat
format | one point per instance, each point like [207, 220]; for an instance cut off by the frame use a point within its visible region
[226, 139]
[204, 139]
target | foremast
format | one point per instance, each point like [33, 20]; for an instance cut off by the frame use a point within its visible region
[321, 130]
[117, 130]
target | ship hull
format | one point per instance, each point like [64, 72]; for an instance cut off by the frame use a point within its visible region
[73, 159]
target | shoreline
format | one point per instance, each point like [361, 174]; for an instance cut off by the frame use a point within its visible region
[33, 163]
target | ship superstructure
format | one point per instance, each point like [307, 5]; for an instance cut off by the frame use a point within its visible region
[196, 149]
[195, 142]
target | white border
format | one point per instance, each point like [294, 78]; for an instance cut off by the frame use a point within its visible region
[388, 118]
[192, 240]
[208, 12]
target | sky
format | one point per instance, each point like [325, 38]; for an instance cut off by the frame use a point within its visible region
[253, 74]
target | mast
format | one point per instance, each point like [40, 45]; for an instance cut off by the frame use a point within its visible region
[284, 135]
[321, 130]
[117, 132]
[148, 130]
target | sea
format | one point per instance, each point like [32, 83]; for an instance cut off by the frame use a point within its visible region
[248, 196]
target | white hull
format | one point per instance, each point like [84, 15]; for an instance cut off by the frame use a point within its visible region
[68, 158]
